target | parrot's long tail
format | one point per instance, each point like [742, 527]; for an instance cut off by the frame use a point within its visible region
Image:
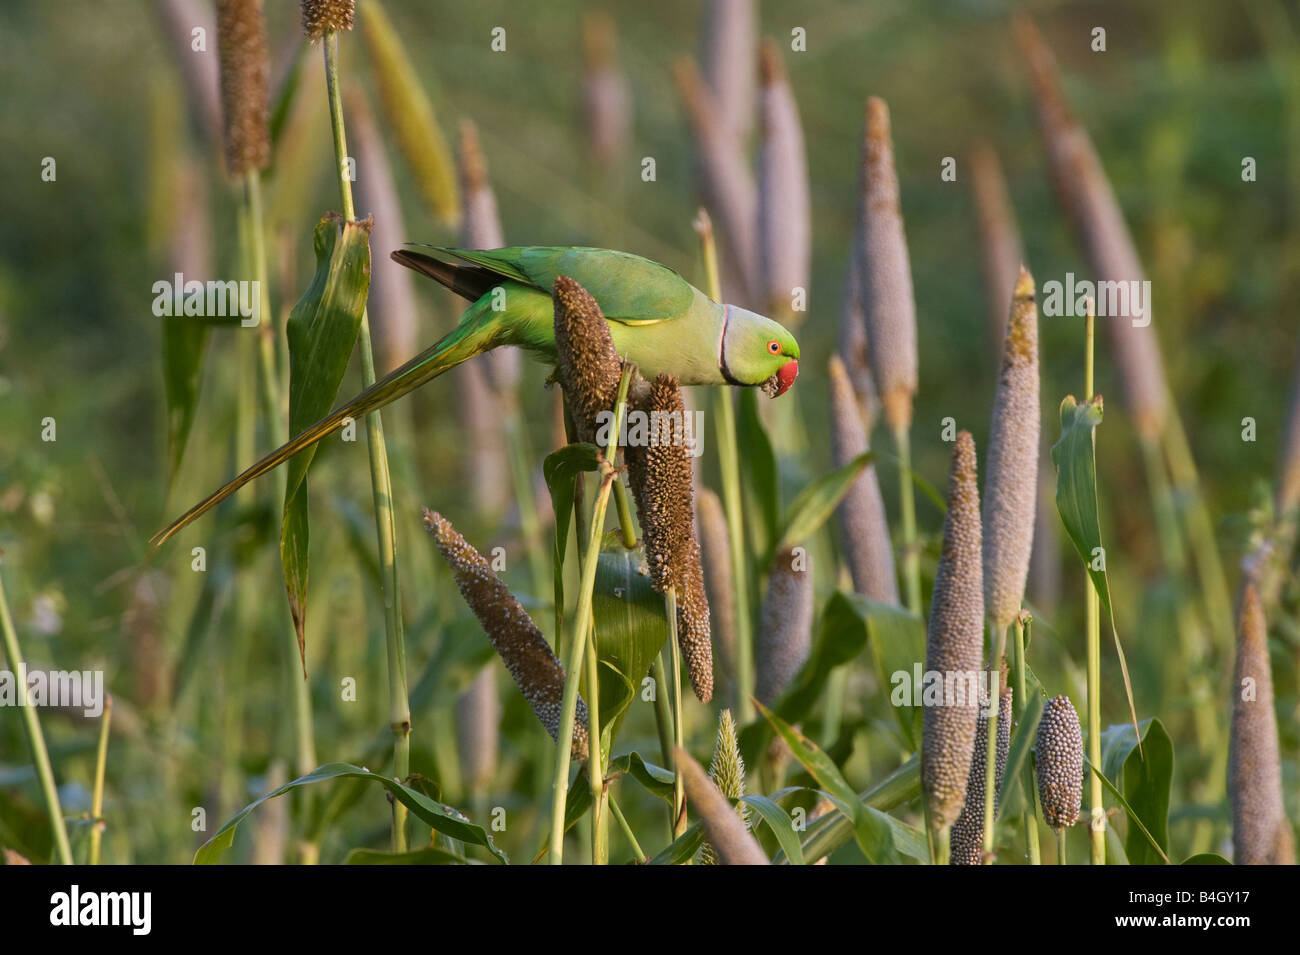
[477, 332]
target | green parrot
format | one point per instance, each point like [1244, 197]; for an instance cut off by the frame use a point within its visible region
[657, 320]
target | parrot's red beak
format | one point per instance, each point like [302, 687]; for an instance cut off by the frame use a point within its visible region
[785, 377]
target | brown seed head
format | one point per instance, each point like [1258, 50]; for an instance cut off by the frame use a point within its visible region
[729, 837]
[245, 66]
[1011, 472]
[784, 205]
[513, 634]
[321, 17]
[1261, 834]
[888, 301]
[588, 364]
[660, 477]
[954, 642]
[862, 510]
[716, 559]
[1058, 763]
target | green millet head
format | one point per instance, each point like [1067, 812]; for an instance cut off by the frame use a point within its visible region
[1011, 462]
[511, 631]
[727, 770]
[588, 364]
[954, 642]
[726, 833]
[967, 839]
[660, 476]
[1058, 763]
[321, 17]
[1261, 834]
[245, 66]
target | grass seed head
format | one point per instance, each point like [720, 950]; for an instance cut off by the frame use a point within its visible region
[954, 642]
[1058, 763]
[322, 17]
[1261, 834]
[727, 770]
[967, 839]
[862, 510]
[785, 628]
[784, 206]
[888, 301]
[730, 838]
[1011, 471]
[716, 559]
[588, 364]
[245, 67]
[511, 631]
[661, 480]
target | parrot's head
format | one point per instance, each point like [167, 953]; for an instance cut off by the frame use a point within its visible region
[758, 351]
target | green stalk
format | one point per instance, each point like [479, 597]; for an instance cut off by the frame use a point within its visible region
[679, 728]
[529, 523]
[573, 665]
[35, 738]
[732, 503]
[1021, 701]
[991, 749]
[380, 482]
[1060, 846]
[595, 767]
[97, 796]
[664, 726]
[627, 830]
[1092, 620]
[907, 503]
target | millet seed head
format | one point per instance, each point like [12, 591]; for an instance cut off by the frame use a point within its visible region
[888, 301]
[967, 838]
[320, 17]
[1011, 462]
[727, 770]
[954, 642]
[588, 364]
[729, 837]
[661, 480]
[245, 67]
[511, 631]
[1058, 763]
[716, 558]
[785, 627]
[1261, 833]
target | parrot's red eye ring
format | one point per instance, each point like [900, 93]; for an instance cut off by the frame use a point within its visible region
[774, 347]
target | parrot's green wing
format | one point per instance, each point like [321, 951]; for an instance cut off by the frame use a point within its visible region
[630, 289]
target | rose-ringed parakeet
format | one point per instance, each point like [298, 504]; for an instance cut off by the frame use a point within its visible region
[657, 320]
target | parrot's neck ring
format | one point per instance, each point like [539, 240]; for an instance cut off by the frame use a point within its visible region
[722, 349]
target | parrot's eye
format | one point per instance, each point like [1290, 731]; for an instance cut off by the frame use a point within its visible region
[774, 347]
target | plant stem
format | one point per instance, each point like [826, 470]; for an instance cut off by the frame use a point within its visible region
[1060, 846]
[595, 767]
[573, 665]
[664, 726]
[627, 830]
[529, 523]
[991, 749]
[380, 482]
[733, 505]
[1092, 620]
[907, 503]
[679, 727]
[1021, 701]
[35, 738]
[97, 794]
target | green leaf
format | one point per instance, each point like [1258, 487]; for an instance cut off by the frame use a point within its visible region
[1076, 499]
[322, 331]
[1145, 777]
[782, 826]
[429, 855]
[682, 849]
[439, 818]
[816, 502]
[760, 487]
[1206, 858]
[828, 833]
[872, 828]
[183, 342]
[561, 469]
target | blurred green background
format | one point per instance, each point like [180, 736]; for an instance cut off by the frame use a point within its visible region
[1183, 93]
